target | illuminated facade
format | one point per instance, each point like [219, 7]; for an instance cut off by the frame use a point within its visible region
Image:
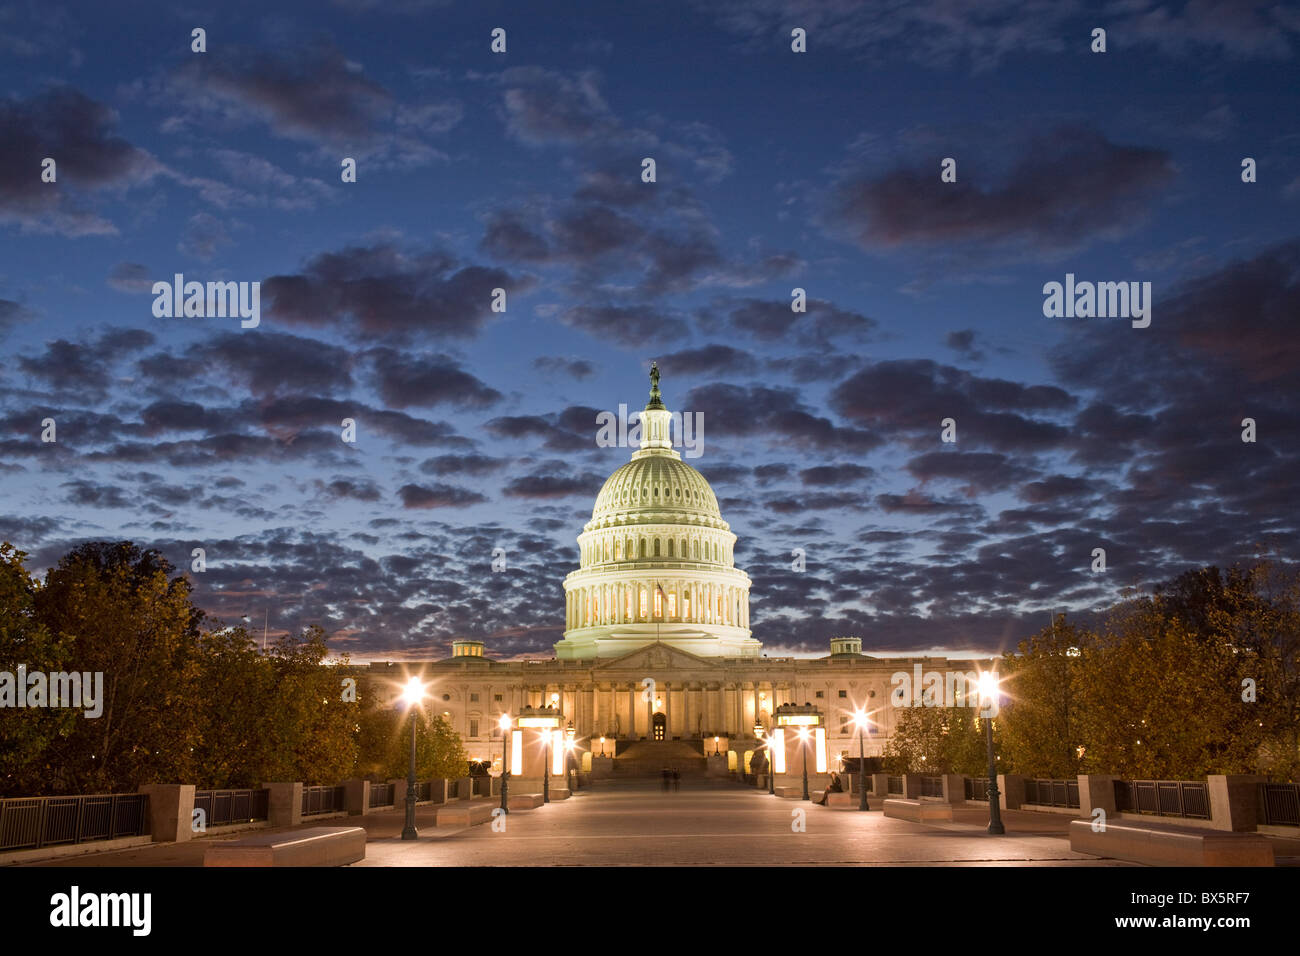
[657, 644]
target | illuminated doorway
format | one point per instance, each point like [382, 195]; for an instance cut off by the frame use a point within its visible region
[660, 726]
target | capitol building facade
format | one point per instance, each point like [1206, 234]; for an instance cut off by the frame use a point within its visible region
[657, 643]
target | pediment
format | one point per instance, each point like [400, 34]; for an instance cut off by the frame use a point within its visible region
[657, 656]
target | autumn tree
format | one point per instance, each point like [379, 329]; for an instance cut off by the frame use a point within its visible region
[28, 736]
[1041, 716]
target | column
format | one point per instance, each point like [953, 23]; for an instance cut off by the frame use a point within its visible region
[668, 711]
[631, 711]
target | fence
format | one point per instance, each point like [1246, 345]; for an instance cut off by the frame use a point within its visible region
[222, 807]
[931, 785]
[1165, 798]
[29, 823]
[321, 800]
[977, 788]
[1279, 804]
[1052, 793]
[381, 795]
[894, 784]
[424, 790]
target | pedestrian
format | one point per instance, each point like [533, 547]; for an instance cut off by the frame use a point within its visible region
[677, 780]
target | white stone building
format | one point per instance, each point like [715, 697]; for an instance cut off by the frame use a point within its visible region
[657, 642]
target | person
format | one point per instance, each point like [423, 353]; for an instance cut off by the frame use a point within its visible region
[677, 780]
[835, 786]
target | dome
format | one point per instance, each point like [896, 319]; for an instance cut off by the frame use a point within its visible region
[655, 488]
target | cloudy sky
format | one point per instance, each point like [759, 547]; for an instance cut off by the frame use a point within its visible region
[775, 170]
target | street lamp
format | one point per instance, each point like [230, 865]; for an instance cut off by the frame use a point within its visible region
[862, 720]
[803, 745]
[988, 686]
[767, 749]
[716, 751]
[803, 718]
[412, 694]
[569, 760]
[505, 767]
[602, 745]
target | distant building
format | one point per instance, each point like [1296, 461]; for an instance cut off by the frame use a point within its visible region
[657, 643]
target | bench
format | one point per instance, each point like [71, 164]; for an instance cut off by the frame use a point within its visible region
[790, 793]
[317, 846]
[465, 815]
[525, 801]
[842, 800]
[918, 811]
[560, 793]
[1169, 845]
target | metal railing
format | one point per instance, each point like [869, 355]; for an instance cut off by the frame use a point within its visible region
[1052, 793]
[29, 823]
[382, 795]
[1279, 804]
[1165, 798]
[321, 800]
[894, 784]
[424, 790]
[977, 788]
[931, 785]
[222, 807]
[482, 786]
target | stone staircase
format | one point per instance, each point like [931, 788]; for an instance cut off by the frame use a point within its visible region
[648, 758]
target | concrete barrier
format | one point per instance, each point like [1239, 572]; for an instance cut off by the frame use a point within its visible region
[560, 793]
[1164, 845]
[316, 846]
[464, 815]
[918, 811]
[791, 793]
[524, 801]
[843, 800]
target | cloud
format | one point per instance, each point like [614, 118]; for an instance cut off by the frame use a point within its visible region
[130, 277]
[380, 291]
[78, 133]
[437, 495]
[574, 368]
[1069, 185]
[403, 379]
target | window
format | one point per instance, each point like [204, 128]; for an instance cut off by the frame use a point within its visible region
[473, 727]
[659, 603]
[628, 615]
[618, 550]
[656, 547]
[672, 603]
[643, 547]
[644, 601]
[473, 698]
[821, 693]
[670, 547]
[843, 694]
[496, 697]
[686, 605]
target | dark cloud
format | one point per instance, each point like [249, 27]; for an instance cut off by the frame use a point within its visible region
[963, 343]
[437, 495]
[1069, 185]
[380, 291]
[404, 379]
[79, 135]
[771, 321]
[626, 325]
[714, 359]
[574, 368]
[776, 414]
[467, 464]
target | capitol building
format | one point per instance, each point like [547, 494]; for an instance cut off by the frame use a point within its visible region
[657, 646]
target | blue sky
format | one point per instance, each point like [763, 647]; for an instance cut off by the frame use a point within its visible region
[775, 170]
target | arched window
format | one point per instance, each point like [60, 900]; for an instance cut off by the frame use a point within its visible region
[643, 547]
[644, 603]
[695, 547]
[618, 550]
[670, 547]
[686, 605]
[656, 547]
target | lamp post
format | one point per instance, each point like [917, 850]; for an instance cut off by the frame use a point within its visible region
[803, 745]
[767, 749]
[806, 719]
[412, 694]
[716, 751]
[569, 760]
[505, 767]
[988, 691]
[602, 745]
[861, 719]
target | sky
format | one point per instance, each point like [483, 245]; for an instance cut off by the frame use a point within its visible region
[774, 170]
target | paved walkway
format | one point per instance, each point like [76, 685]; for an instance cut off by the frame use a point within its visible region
[629, 826]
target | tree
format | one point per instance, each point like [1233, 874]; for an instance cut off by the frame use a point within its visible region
[1040, 721]
[937, 740]
[28, 735]
[125, 618]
